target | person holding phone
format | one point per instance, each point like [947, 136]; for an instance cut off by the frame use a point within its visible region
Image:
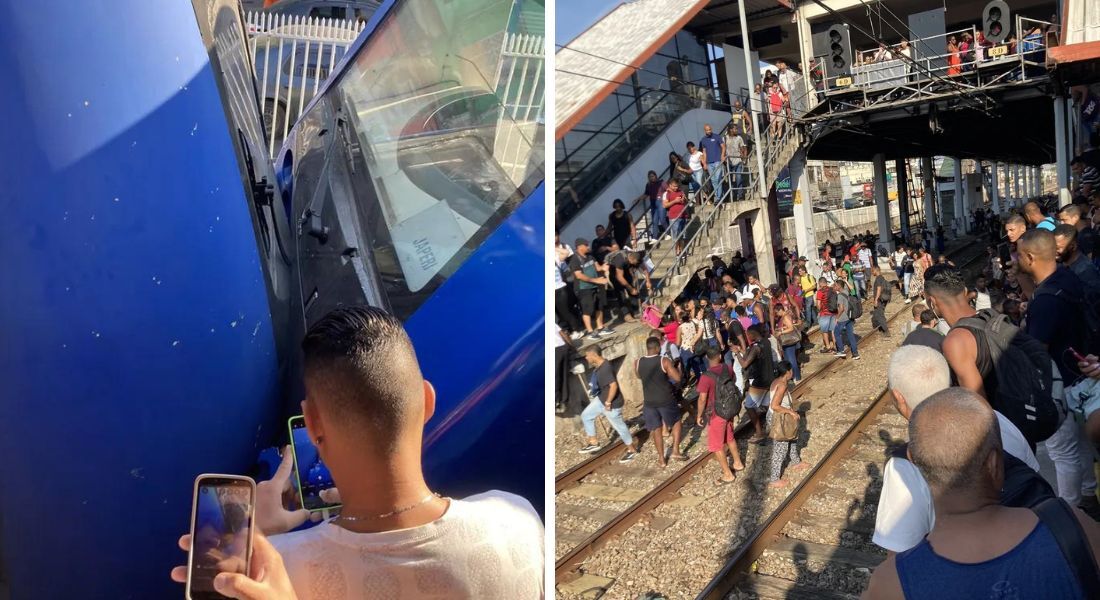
[366, 404]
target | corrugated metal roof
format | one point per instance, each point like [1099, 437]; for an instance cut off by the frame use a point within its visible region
[590, 67]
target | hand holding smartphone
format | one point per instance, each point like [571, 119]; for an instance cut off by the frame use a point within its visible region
[311, 476]
[222, 524]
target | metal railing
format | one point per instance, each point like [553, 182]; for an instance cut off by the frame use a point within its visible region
[935, 70]
[292, 57]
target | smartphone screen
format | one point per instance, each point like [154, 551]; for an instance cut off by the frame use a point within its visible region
[311, 474]
[221, 531]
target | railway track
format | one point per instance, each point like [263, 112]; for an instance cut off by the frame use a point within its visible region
[664, 485]
[817, 543]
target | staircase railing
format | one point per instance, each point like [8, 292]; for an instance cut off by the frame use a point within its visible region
[578, 186]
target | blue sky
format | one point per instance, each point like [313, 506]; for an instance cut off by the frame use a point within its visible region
[574, 16]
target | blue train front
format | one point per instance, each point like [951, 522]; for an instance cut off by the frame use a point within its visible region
[159, 271]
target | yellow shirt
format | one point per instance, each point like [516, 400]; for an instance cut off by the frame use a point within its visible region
[808, 285]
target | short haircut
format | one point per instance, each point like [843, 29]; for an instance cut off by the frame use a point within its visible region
[782, 368]
[653, 344]
[918, 308]
[917, 372]
[740, 310]
[713, 353]
[1067, 231]
[927, 317]
[951, 435]
[1039, 242]
[360, 367]
[1072, 209]
[944, 281]
[1015, 220]
[594, 349]
[1032, 208]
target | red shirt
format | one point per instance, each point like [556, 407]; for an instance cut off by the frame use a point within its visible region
[823, 304]
[706, 384]
[676, 209]
[670, 331]
[776, 101]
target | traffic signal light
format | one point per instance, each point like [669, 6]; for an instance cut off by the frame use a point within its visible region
[996, 21]
[839, 61]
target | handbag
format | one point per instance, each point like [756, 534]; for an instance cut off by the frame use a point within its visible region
[790, 338]
[784, 427]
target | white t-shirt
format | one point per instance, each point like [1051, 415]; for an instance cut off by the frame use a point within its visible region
[558, 340]
[981, 300]
[695, 161]
[865, 258]
[485, 546]
[905, 511]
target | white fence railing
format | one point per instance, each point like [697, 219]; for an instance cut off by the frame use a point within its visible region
[521, 88]
[292, 57]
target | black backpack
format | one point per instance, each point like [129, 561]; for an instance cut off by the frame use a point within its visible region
[727, 396]
[1022, 375]
[831, 301]
[887, 290]
[855, 308]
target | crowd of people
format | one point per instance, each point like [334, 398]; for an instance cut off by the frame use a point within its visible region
[989, 368]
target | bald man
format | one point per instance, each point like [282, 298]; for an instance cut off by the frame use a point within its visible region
[1034, 215]
[905, 511]
[977, 547]
[1055, 317]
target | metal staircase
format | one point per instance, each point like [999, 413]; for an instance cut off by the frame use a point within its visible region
[702, 236]
[588, 168]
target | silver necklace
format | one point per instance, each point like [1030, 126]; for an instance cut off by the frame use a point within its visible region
[396, 511]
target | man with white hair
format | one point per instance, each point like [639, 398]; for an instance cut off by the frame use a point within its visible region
[905, 514]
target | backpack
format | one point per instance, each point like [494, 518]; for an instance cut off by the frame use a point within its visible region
[1088, 309]
[855, 308]
[887, 290]
[831, 301]
[1023, 375]
[727, 396]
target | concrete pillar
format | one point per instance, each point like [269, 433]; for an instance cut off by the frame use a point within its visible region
[749, 70]
[1039, 180]
[929, 176]
[994, 193]
[805, 235]
[882, 205]
[903, 197]
[762, 244]
[960, 189]
[1061, 137]
[1006, 195]
[1027, 179]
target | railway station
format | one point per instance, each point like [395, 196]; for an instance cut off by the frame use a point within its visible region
[856, 137]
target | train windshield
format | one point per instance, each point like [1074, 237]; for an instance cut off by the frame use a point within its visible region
[447, 111]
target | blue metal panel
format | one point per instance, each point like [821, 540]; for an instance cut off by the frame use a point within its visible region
[480, 341]
[136, 346]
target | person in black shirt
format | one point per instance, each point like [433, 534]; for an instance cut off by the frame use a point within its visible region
[879, 288]
[1065, 244]
[623, 265]
[926, 334]
[606, 400]
[601, 244]
[1087, 238]
[590, 287]
[620, 225]
[1055, 313]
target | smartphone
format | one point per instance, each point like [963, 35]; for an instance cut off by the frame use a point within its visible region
[311, 476]
[222, 521]
[1076, 355]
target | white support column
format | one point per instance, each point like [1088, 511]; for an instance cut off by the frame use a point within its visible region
[994, 193]
[805, 237]
[749, 70]
[1061, 137]
[805, 53]
[1029, 182]
[1006, 194]
[930, 218]
[882, 205]
[960, 191]
[1016, 185]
